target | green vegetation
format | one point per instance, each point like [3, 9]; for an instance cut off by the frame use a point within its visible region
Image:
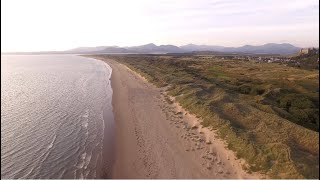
[306, 61]
[268, 113]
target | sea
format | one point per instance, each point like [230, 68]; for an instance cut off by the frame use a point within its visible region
[56, 117]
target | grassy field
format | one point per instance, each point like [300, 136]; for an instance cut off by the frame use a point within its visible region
[268, 113]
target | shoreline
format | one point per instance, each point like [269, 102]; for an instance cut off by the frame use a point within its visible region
[108, 150]
[153, 140]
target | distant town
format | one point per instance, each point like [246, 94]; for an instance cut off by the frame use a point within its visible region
[307, 57]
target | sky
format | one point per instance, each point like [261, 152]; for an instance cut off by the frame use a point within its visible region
[40, 25]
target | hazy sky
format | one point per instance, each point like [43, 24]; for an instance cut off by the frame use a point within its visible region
[34, 25]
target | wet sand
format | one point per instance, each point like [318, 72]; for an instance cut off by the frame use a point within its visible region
[155, 139]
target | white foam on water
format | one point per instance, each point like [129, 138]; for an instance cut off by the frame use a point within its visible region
[82, 160]
[87, 160]
[81, 175]
[86, 114]
[86, 119]
[95, 174]
[28, 173]
[86, 173]
[75, 174]
[52, 142]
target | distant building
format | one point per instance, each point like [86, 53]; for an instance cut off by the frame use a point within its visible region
[309, 51]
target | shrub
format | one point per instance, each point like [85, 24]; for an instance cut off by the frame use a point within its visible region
[257, 90]
[302, 102]
[245, 89]
[295, 100]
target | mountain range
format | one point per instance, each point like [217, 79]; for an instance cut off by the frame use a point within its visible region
[270, 48]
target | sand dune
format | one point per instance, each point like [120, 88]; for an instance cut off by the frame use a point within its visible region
[156, 139]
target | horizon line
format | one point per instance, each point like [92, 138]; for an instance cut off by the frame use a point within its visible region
[155, 45]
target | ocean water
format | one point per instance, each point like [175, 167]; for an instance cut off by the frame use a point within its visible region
[56, 115]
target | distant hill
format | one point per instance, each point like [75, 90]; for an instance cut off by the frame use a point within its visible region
[147, 48]
[194, 47]
[271, 48]
[152, 48]
[88, 49]
[113, 50]
[99, 49]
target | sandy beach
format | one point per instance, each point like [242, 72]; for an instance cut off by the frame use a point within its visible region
[155, 139]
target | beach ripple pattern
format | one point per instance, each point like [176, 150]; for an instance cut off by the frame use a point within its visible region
[52, 122]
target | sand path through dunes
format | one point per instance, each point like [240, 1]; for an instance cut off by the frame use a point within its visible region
[154, 141]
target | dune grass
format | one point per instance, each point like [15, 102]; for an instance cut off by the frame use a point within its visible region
[267, 113]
